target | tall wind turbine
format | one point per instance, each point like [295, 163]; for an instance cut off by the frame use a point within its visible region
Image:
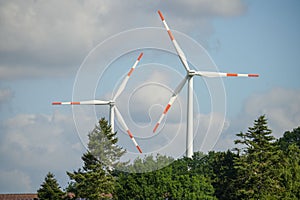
[112, 105]
[188, 78]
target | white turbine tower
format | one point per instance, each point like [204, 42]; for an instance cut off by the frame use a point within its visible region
[112, 105]
[188, 78]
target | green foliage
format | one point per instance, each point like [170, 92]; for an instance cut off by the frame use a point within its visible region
[258, 164]
[262, 168]
[172, 182]
[95, 180]
[103, 145]
[290, 172]
[50, 189]
[289, 138]
[148, 164]
[223, 174]
[92, 181]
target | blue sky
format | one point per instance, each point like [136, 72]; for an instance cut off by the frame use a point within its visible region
[43, 45]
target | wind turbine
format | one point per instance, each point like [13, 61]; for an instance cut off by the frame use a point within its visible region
[189, 78]
[112, 105]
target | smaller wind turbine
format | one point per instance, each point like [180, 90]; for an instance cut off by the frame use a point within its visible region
[112, 105]
[190, 73]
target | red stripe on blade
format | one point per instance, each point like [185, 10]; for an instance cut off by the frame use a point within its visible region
[56, 103]
[253, 75]
[167, 108]
[139, 58]
[228, 74]
[130, 72]
[156, 126]
[161, 15]
[75, 103]
[170, 35]
[129, 133]
[140, 150]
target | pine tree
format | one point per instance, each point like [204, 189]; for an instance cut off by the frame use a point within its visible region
[50, 189]
[103, 145]
[95, 179]
[92, 181]
[258, 163]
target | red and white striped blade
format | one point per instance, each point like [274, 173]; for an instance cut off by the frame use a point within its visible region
[91, 102]
[123, 84]
[176, 45]
[123, 124]
[171, 101]
[222, 74]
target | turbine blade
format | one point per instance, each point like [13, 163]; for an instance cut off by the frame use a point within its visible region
[171, 101]
[123, 124]
[222, 74]
[176, 45]
[123, 84]
[91, 102]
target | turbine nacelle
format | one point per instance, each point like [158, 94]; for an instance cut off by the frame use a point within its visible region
[112, 103]
[191, 72]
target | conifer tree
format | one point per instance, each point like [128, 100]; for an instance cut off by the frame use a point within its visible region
[92, 181]
[103, 145]
[95, 179]
[50, 189]
[258, 163]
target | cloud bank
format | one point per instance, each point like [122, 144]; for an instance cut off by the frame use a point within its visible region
[282, 110]
[33, 144]
[39, 38]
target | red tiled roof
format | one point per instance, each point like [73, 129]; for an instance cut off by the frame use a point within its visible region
[18, 196]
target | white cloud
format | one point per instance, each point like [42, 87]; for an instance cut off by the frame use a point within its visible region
[32, 144]
[206, 8]
[55, 36]
[281, 107]
[14, 180]
[6, 95]
[211, 126]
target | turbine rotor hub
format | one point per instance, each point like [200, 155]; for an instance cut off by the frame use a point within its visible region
[191, 72]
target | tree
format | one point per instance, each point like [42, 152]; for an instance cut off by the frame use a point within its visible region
[50, 189]
[290, 172]
[290, 137]
[95, 179]
[92, 181]
[223, 174]
[171, 182]
[258, 163]
[103, 145]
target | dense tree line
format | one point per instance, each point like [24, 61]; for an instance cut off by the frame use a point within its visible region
[259, 167]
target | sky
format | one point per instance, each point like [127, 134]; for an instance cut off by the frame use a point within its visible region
[80, 50]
